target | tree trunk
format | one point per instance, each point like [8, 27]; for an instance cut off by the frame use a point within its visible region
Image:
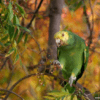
[54, 26]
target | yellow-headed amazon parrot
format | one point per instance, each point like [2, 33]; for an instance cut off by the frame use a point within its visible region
[72, 54]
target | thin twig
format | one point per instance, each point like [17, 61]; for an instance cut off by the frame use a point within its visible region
[87, 18]
[2, 55]
[37, 43]
[11, 74]
[4, 64]
[17, 84]
[94, 4]
[33, 50]
[34, 14]
[40, 12]
[92, 25]
[12, 93]
[31, 23]
[93, 50]
[35, 3]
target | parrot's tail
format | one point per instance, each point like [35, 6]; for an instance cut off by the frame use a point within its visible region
[70, 89]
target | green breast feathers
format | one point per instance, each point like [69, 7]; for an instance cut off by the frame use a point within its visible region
[72, 55]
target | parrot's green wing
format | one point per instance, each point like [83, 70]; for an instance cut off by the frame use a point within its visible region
[85, 56]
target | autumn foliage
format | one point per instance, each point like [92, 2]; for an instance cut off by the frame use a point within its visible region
[34, 43]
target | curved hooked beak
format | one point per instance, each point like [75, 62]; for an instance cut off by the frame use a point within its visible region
[58, 42]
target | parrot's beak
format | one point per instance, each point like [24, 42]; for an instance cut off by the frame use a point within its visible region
[58, 42]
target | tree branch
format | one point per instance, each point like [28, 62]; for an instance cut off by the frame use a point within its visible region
[17, 84]
[12, 93]
[35, 3]
[4, 64]
[34, 14]
[11, 74]
[87, 18]
[90, 26]
[36, 43]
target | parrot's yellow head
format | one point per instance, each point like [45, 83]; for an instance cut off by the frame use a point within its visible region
[61, 38]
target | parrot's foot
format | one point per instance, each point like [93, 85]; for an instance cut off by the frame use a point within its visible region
[56, 62]
[71, 79]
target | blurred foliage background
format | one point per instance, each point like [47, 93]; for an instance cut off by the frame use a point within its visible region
[20, 49]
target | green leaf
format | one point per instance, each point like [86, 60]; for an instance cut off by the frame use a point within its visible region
[78, 5]
[24, 28]
[26, 36]
[57, 94]
[10, 23]
[15, 48]
[10, 14]
[3, 80]
[21, 62]
[49, 97]
[11, 31]
[16, 33]
[5, 31]
[10, 7]
[20, 37]
[10, 52]
[8, 43]
[21, 9]
[70, 2]
[6, 15]
[73, 4]
[5, 38]
[5, 18]
[98, 3]
[16, 20]
[1, 44]
[16, 59]
[83, 90]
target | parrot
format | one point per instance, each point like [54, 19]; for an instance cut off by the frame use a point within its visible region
[72, 56]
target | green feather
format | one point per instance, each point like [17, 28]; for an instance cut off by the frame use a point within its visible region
[72, 54]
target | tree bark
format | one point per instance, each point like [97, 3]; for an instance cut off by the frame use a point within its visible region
[54, 26]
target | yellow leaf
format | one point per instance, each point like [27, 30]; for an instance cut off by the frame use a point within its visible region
[10, 52]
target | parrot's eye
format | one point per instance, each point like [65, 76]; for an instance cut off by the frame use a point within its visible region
[62, 34]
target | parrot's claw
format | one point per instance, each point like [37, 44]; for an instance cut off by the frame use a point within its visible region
[56, 62]
[71, 79]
